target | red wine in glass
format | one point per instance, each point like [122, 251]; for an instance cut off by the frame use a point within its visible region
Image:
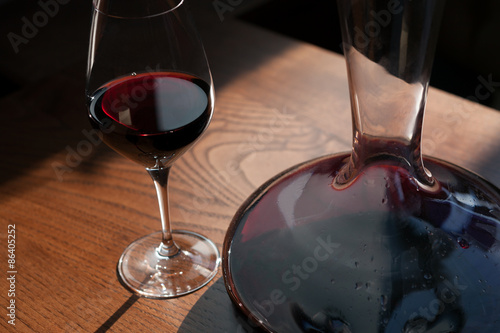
[150, 96]
[153, 116]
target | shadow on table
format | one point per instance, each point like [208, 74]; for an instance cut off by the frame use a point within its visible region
[117, 314]
[215, 313]
[43, 107]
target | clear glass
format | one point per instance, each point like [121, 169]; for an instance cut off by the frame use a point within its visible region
[150, 96]
[380, 239]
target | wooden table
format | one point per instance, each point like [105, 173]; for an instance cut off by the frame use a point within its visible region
[76, 204]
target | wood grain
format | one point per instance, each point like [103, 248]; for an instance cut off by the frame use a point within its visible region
[278, 102]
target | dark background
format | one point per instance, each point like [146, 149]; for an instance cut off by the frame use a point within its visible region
[468, 47]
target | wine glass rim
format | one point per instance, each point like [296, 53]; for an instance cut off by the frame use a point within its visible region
[96, 2]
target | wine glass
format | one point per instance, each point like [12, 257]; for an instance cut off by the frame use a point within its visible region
[150, 96]
[380, 239]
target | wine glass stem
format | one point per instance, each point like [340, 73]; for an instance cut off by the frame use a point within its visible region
[167, 248]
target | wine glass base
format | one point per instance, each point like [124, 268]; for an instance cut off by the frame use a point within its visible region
[380, 255]
[148, 274]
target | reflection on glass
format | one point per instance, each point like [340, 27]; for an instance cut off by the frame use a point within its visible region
[380, 239]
